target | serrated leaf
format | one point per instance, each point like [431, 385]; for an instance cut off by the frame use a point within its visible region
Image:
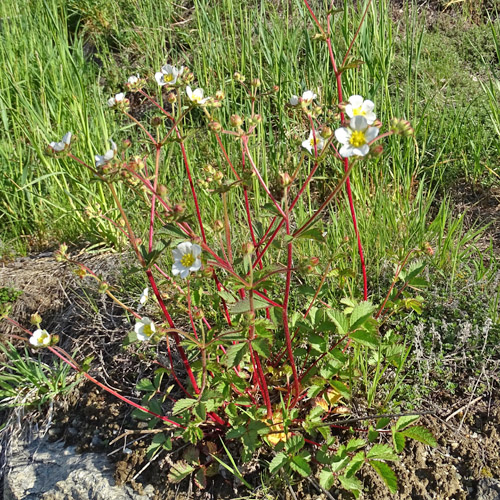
[352, 65]
[372, 435]
[318, 342]
[360, 314]
[338, 463]
[387, 475]
[352, 484]
[200, 478]
[262, 347]
[173, 231]
[341, 388]
[294, 444]
[226, 297]
[382, 422]
[399, 441]
[381, 452]
[179, 471]
[312, 233]
[340, 321]
[405, 421]
[421, 434]
[183, 404]
[235, 353]
[365, 338]
[145, 385]
[326, 479]
[355, 444]
[243, 306]
[355, 464]
[279, 461]
[200, 411]
[299, 464]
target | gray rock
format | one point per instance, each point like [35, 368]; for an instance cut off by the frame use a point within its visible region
[42, 470]
[488, 489]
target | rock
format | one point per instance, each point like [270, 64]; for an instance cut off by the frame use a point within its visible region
[488, 489]
[42, 470]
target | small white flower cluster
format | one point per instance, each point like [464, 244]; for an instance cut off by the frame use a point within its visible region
[356, 137]
[117, 100]
[107, 156]
[168, 75]
[62, 144]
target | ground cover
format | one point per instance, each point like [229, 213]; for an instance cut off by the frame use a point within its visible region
[409, 198]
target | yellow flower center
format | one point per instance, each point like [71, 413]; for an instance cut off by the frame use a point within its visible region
[313, 141]
[168, 78]
[187, 260]
[147, 330]
[41, 339]
[358, 111]
[357, 138]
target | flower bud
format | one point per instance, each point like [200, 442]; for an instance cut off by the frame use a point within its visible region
[126, 143]
[314, 261]
[171, 98]
[219, 95]
[218, 225]
[401, 127]
[81, 272]
[198, 314]
[376, 150]
[156, 121]
[162, 191]
[285, 179]
[256, 119]
[239, 77]
[236, 121]
[179, 208]
[60, 254]
[428, 249]
[247, 248]
[207, 271]
[215, 126]
[326, 132]
[255, 82]
[276, 88]
[103, 288]
[35, 319]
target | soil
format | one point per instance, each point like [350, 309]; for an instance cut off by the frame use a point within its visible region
[94, 420]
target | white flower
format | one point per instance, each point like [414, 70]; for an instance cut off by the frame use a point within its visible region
[309, 143]
[40, 338]
[294, 100]
[196, 96]
[113, 101]
[144, 329]
[186, 259]
[132, 80]
[308, 96]
[168, 75]
[356, 137]
[359, 106]
[61, 145]
[108, 156]
[144, 296]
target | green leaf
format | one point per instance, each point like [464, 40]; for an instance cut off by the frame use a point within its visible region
[420, 433]
[226, 297]
[326, 479]
[279, 461]
[318, 342]
[262, 347]
[360, 314]
[382, 422]
[173, 231]
[338, 463]
[130, 338]
[295, 444]
[340, 321]
[299, 464]
[145, 385]
[352, 65]
[365, 338]
[355, 444]
[381, 452]
[243, 306]
[355, 464]
[372, 435]
[179, 471]
[183, 404]
[387, 475]
[405, 421]
[352, 484]
[342, 388]
[313, 233]
[201, 411]
[399, 441]
[235, 353]
[200, 478]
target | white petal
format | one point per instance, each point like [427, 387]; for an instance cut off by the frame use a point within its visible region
[320, 143]
[108, 155]
[367, 106]
[111, 102]
[67, 138]
[358, 123]
[185, 247]
[167, 69]
[177, 268]
[196, 265]
[189, 93]
[185, 273]
[308, 95]
[99, 160]
[343, 135]
[356, 101]
[307, 145]
[349, 110]
[294, 100]
[141, 336]
[362, 150]
[119, 97]
[196, 250]
[370, 117]
[159, 79]
[58, 146]
[181, 70]
[371, 133]
[113, 145]
[346, 151]
[177, 254]
[133, 79]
